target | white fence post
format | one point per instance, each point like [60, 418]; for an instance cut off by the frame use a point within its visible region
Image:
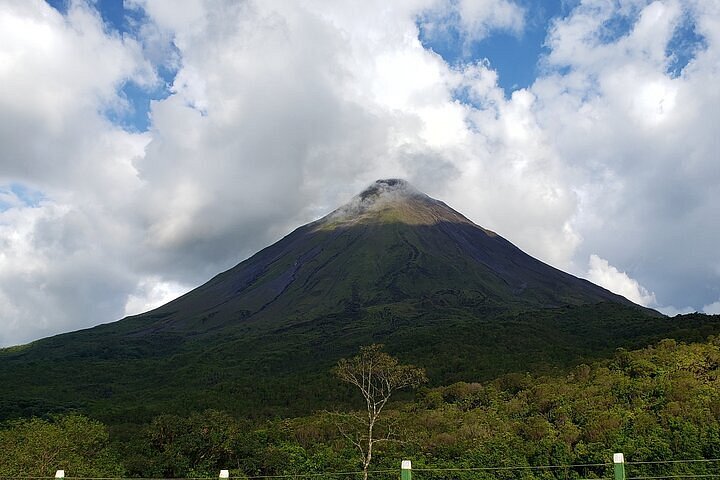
[406, 470]
[619, 461]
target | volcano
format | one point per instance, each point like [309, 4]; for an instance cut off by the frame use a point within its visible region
[393, 265]
[389, 244]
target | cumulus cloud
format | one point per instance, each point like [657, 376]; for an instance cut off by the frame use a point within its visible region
[673, 311]
[55, 274]
[61, 264]
[712, 309]
[637, 139]
[602, 273]
[281, 111]
[151, 293]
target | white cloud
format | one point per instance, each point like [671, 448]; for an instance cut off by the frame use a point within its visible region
[55, 274]
[479, 17]
[62, 264]
[282, 110]
[673, 311]
[151, 293]
[636, 141]
[474, 20]
[605, 275]
[712, 309]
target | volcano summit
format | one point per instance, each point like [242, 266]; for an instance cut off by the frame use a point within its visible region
[392, 265]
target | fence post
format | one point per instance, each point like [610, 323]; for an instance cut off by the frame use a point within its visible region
[224, 474]
[406, 470]
[60, 474]
[619, 461]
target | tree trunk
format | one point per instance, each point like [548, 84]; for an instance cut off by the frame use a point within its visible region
[368, 456]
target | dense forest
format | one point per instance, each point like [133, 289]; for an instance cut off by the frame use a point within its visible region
[655, 404]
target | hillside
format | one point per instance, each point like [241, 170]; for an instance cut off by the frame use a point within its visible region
[392, 266]
[659, 406]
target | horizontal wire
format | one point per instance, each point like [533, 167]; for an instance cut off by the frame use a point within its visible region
[689, 475]
[250, 477]
[522, 467]
[244, 477]
[371, 472]
[674, 461]
[375, 472]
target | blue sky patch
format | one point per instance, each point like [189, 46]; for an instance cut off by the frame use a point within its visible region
[59, 5]
[616, 27]
[124, 21]
[136, 117]
[514, 57]
[683, 46]
[14, 193]
[113, 13]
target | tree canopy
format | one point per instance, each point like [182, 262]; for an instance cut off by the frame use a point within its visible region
[656, 404]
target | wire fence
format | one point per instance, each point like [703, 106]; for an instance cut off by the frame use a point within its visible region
[640, 470]
[673, 469]
[586, 471]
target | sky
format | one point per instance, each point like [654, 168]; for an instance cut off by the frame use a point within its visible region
[145, 147]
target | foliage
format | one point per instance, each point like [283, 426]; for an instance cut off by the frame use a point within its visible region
[654, 404]
[199, 445]
[251, 373]
[74, 443]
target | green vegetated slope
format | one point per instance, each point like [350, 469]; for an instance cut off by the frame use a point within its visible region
[656, 404]
[132, 380]
[392, 266]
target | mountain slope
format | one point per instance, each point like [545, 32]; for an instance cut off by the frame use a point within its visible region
[391, 243]
[393, 265]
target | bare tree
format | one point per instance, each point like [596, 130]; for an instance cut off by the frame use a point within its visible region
[377, 375]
